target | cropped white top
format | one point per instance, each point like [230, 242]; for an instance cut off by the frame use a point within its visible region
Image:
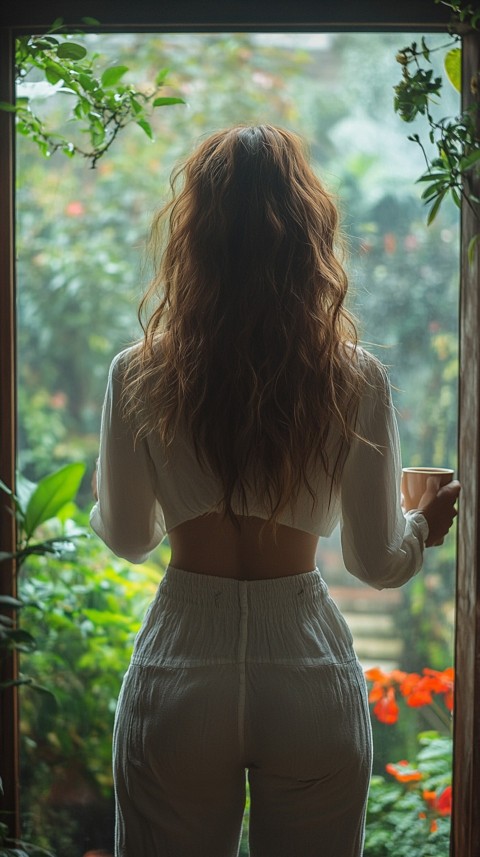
[144, 491]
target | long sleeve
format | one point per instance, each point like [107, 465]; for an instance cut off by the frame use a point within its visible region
[127, 516]
[381, 545]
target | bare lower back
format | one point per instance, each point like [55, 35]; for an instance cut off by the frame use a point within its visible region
[213, 544]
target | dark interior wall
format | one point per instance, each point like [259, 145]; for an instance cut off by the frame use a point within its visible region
[232, 14]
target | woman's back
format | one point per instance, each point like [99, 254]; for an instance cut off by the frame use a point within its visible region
[243, 549]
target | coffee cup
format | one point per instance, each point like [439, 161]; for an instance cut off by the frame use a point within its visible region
[414, 483]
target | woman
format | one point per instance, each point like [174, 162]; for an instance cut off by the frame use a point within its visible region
[245, 425]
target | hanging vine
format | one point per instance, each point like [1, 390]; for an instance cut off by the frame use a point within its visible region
[456, 140]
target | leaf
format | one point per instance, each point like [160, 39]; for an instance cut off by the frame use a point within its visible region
[456, 197]
[11, 602]
[161, 76]
[22, 638]
[471, 248]
[470, 160]
[52, 75]
[25, 489]
[162, 102]
[10, 108]
[112, 75]
[146, 127]
[50, 698]
[136, 107]
[90, 21]
[432, 191]
[71, 51]
[51, 494]
[436, 205]
[427, 177]
[453, 68]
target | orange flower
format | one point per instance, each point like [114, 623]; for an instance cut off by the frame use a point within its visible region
[409, 684]
[416, 689]
[443, 682]
[386, 710]
[403, 772]
[377, 675]
[383, 694]
[430, 798]
[419, 698]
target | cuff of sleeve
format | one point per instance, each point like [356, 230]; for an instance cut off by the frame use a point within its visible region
[418, 518]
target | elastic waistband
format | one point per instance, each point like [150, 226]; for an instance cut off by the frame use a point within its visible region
[224, 592]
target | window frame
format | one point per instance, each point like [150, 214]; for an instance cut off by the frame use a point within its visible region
[271, 15]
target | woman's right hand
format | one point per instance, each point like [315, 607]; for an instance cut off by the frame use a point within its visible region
[438, 507]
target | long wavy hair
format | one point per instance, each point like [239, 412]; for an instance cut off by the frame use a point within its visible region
[249, 348]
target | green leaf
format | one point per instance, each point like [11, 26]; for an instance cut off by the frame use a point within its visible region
[470, 160]
[429, 176]
[51, 494]
[10, 108]
[93, 22]
[146, 127]
[161, 76]
[71, 51]
[456, 197]
[471, 248]
[22, 638]
[25, 489]
[162, 102]
[86, 81]
[97, 130]
[112, 75]
[433, 190]
[136, 107]
[436, 205]
[10, 602]
[52, 75]
[453, 68]
[46, 43]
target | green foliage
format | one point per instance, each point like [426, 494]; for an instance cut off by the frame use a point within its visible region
[101, 104]
[455, 139]
[33, 506]
[401, 821]
[19, 847]
[84, 608]
[462, 13]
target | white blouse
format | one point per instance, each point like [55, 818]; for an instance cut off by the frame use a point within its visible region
[145, 491]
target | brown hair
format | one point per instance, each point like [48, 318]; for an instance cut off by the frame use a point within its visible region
[249, 348]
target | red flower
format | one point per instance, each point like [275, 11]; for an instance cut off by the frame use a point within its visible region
[443, 803]
[386, 710]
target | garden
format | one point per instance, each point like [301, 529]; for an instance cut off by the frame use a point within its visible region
[81, 233]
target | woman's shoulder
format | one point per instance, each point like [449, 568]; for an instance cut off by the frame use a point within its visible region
[123, 360]
[363, 362]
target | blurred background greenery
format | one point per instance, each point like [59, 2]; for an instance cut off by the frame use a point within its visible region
[81, 271]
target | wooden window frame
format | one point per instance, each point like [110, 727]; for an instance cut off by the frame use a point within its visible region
[271, 15]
